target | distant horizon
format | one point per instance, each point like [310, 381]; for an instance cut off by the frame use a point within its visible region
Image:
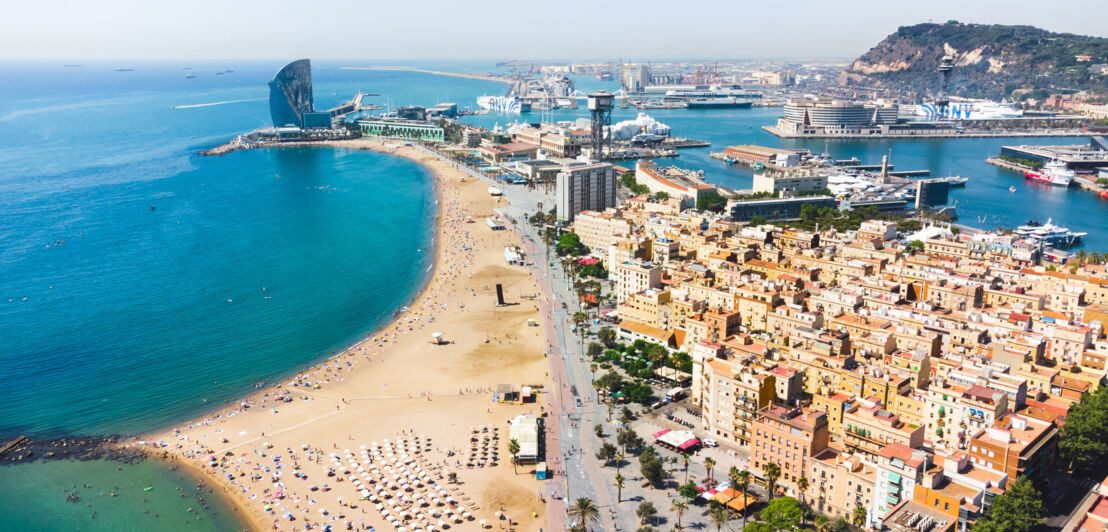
[133, 30]
[364, 62]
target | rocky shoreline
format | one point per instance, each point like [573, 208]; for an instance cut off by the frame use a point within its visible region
[25, 450]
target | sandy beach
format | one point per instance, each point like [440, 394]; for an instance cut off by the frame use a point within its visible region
[395, 417]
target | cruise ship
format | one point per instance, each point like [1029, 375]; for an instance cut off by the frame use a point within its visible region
[1049, 233]
[503, 104]
[1053, 173]
[712, 91]
[714, 103]
[969, 110]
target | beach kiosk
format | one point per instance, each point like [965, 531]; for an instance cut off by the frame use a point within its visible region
[436, 338]
[540, 471]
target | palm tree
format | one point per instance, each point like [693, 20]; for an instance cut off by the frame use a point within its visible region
[619, 459]
[733, 475]
[685, 460]
[742, 480]
[709, 464]
[513, 449]
[679, 508]
[619, 487]
[772, 472]
[802, 485]
[822, 523]
[645, 511]
[719, 515]
[583, 513]
[858, 516]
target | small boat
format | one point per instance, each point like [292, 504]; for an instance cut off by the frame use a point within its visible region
[148, 488]
[122, 69]
[1011, 189]
[190, 76]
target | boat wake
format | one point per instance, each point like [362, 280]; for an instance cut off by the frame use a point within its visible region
[191, 106]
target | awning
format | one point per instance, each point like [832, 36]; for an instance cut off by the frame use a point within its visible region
[739, 505]
[892, 499]
[661, 433]
[689, 444]
[894, 477]
[894, 488]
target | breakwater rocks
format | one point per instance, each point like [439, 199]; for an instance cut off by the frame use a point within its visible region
[23, 450]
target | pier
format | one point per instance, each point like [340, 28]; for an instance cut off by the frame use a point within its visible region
[483, 77]
[677, 142]
[877, 168]
[7, 448]
[924, 135]
[1085, 183]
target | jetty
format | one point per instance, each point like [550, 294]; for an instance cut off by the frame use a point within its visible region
[483, 77]
[7, 448]
[967, 134]
[1083, 182]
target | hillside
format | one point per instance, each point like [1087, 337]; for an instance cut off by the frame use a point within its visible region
[990, 60]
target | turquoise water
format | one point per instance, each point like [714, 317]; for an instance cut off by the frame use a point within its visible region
[39, 503]
[141, 284]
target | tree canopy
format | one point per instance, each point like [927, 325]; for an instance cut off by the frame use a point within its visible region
[711, 201]
[1084, 439]
[784, 513]
[1018, 510]
[570, 244]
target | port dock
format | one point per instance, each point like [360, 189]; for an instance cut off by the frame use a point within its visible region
[1086, 183]
[922, 134]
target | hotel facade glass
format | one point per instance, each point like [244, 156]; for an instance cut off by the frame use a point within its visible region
[290, 94]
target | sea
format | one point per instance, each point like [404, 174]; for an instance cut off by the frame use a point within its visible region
[142, 284]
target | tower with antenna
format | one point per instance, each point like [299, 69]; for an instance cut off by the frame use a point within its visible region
[600, 107]
[946, 65]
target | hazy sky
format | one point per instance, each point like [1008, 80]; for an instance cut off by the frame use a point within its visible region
[566, 29]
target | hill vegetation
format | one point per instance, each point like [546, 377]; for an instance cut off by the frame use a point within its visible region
[991, 61]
